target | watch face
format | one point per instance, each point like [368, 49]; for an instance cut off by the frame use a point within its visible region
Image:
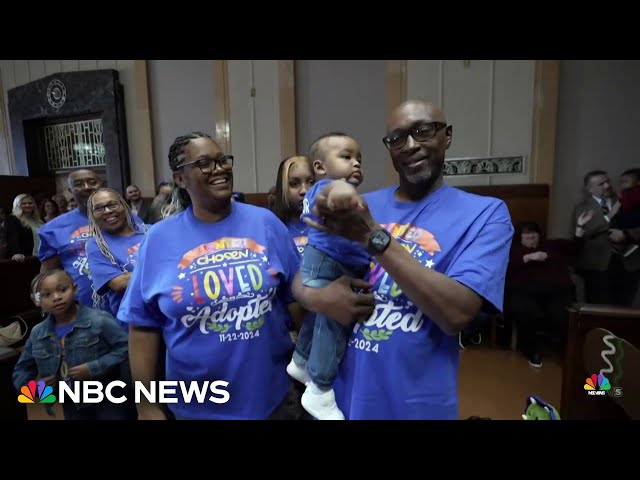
[379, 240]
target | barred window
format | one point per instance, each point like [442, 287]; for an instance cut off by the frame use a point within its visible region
[74, 144]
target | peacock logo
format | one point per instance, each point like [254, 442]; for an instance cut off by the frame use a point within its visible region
[597, 385]
[28, 393]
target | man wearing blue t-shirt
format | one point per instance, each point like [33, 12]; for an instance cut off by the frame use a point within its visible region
[62, 240]
[440, 256]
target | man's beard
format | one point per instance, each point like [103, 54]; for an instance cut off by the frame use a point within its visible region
[426, 176]
[420, 177]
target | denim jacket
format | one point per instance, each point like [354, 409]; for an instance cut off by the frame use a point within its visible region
[95, 339]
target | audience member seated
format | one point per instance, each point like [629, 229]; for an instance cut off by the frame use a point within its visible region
[48, 210]
[22, 228]
[538, 289]
[62, 202]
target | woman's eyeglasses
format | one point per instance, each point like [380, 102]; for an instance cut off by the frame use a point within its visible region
[208, 165]
[112, 206]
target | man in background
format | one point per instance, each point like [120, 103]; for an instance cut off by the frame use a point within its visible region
[139, 205]
[610, 278]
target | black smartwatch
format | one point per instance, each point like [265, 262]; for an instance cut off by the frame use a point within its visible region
[378, 242]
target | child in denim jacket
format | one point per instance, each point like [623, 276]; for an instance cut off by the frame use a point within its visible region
[73, 343]
[321, 343]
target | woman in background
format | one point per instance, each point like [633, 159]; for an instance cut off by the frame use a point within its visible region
[62, 202]
[48, 210]
[295, 178]
[116, 234]
[22, 228]
[159, 208]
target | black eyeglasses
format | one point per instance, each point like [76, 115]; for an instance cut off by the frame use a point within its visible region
[112, 206]
[207, 165]
[421, 133]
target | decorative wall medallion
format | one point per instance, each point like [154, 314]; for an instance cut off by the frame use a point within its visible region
[484, 166]
[56, 93]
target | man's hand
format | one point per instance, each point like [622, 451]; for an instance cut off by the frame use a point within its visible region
[616, 235]
[614, 210]
[342, 196]
[584, 218]
[346, 300]
[354, 222]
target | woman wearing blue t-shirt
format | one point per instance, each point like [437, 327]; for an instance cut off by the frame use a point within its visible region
[295, 178]
[112, 249]
[214, 280]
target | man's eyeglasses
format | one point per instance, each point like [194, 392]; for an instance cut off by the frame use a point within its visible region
[112, 206]
[421, 133]
[207, 165]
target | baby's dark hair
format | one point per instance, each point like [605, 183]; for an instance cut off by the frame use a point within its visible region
[180, 199]
[315, 152]
[633, 173]
[37, 280]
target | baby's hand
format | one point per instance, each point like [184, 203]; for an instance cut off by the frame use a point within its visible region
[614, 210]
[342, 196]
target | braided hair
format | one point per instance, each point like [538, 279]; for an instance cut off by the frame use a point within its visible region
[180, 198]
[37, 280]
[34, 288]
[96, 233]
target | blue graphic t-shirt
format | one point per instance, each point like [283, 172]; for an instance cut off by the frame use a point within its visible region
[340, 249]
[66, 236]
[124, 251]
[299, 233]
[399, 364]
[220, 294]
[62, 331]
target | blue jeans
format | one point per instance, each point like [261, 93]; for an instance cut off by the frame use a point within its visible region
[322, 341]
